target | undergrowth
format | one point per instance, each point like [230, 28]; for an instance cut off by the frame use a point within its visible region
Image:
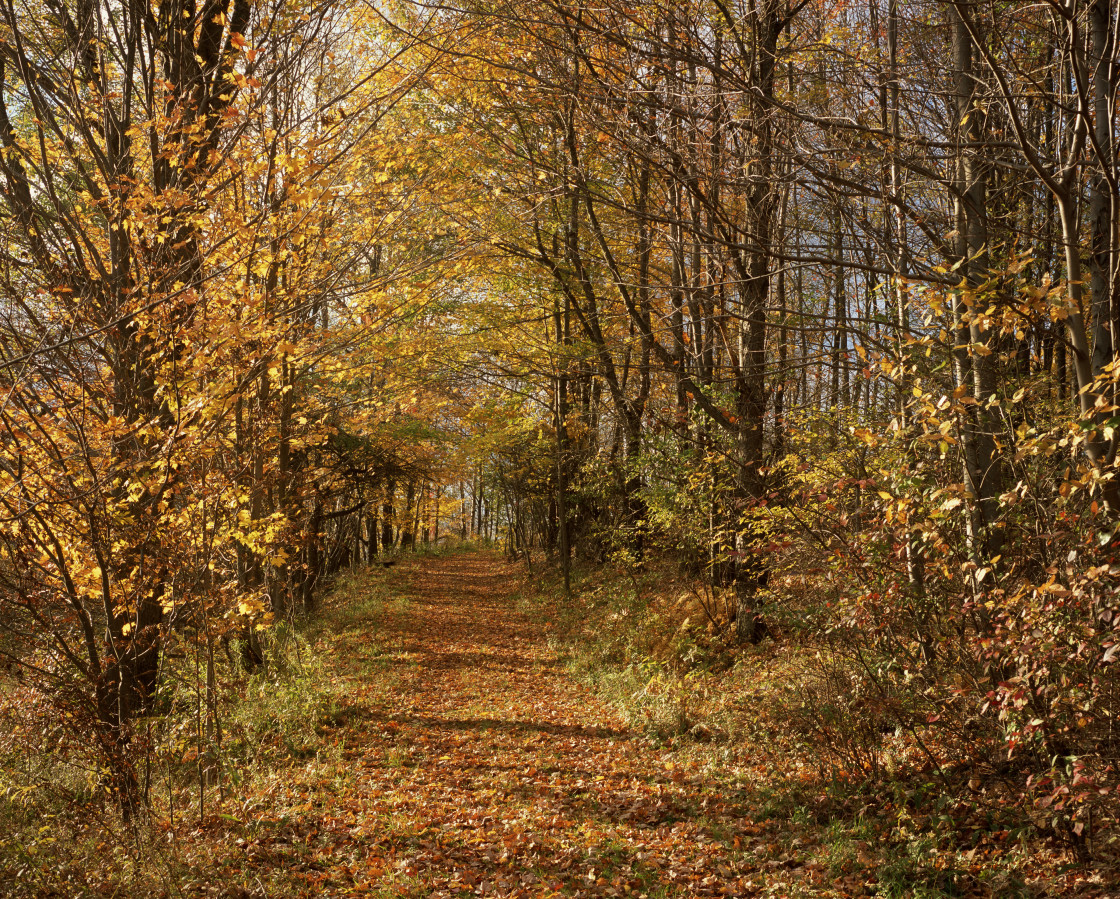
[828, 744]
[203, 762]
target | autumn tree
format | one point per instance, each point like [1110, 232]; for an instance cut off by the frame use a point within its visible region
[178, 309]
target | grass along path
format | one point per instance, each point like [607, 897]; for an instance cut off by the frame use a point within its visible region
[467, 762]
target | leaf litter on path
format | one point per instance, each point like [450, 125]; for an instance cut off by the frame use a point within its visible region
[468, 763]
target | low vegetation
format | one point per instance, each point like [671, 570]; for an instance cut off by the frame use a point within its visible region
[845, 760]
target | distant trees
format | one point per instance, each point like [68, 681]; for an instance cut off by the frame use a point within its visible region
[745, 198]
[647, 190]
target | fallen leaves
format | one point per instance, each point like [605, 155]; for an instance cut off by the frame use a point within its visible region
[467, 762]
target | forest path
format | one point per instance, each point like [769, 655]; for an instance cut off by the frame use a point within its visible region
[474, 765]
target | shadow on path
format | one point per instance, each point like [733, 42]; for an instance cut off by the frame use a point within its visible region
[484, 770]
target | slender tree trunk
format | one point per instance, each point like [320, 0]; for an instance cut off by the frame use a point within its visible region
[388, 517]
[915, 558]
[560, 413]
[975, 354]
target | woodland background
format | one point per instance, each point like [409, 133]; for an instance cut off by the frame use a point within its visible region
[814, 307]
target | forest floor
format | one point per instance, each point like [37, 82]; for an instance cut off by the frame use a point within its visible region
[461, 759]
[457, 755]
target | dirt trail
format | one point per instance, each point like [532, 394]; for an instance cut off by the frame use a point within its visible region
[477, 766]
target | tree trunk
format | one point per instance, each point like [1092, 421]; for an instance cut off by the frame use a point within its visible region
[975, 353]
